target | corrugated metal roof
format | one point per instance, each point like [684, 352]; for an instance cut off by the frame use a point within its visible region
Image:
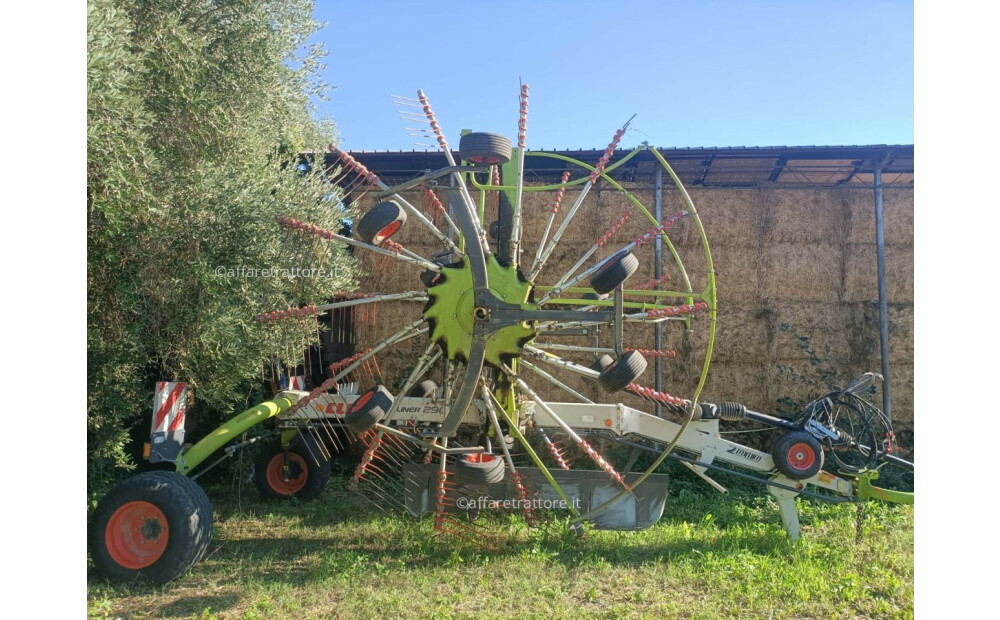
[718, 167]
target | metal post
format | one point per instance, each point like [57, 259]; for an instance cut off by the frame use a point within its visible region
[658, 273]
[883, 319]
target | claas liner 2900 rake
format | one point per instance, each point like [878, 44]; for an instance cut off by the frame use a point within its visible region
[495, 326]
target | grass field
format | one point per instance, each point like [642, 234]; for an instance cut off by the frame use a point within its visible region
[709, 557]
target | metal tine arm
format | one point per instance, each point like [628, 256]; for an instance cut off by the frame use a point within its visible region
[586, 447]
[463, 191]
[555, 382]
[642, 239]
[424, 362]
[548, 224]
[555, 360]
[295, 224]
[591, 180]
[405, 204]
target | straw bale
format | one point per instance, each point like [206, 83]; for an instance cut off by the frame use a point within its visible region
[802, 271]
[900, 318]
[861, 273]
[741, 335]
[897, 215]
[811, 332]
[737, 274]
[727, 216]
[901, 378]
[746, 382]
[805, 216]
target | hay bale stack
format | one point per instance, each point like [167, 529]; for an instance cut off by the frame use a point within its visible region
[796, 275]
[861, 273]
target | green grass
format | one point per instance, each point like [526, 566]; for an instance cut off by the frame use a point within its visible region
[709, 557]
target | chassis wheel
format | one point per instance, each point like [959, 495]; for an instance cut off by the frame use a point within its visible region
[798, 455]
[481, 468]
[381, 222]
[484, 148]
[614, 272]
[368, 410]
[302, 471]
[153, 526]
[623, 371]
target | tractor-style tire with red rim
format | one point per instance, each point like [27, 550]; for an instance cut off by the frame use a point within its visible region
[381, 222]
[302, 471]
[153, 526]
[484, 468]
[798, 455]
[368, 410]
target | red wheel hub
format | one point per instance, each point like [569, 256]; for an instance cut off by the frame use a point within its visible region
[801, 456]
[387, 232]
[480, 458]
[290, 481]
[137, 535]
[358, 404]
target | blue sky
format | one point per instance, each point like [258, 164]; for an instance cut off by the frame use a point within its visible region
[696, 74]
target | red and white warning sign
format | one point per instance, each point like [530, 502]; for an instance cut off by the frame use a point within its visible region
[297, 382]
[169, 406]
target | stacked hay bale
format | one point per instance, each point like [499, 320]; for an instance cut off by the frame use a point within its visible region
[796, 274]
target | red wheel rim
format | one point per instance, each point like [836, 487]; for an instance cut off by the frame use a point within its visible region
[136, 535]
[480, 458]
[801, 456]
[358, 404]
[277, 478]
[388, 231]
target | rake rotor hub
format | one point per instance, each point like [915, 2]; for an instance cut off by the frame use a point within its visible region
[458, 313]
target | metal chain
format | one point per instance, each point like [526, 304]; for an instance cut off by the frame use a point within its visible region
[859, 523]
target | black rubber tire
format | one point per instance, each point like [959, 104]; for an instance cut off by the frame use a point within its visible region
[188, 515]
[482, 468]
[623, 371]
[495, 230]
[485, 148]
[368, 410]
[614, 272]
[595, 296]
[312, 463]
[426, 389]
[381, 222]
[798, 455]
[601, 364]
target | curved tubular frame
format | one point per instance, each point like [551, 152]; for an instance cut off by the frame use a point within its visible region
[712, 302]
[639, 205]
[228, 431]
[477, 353]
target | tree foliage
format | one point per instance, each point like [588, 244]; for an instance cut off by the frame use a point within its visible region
[196, 114]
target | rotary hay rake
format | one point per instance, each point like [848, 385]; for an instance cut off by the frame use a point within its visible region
[496, 325]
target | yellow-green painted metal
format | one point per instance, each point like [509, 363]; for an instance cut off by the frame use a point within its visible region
[232, 429]
[547, 188]
[452, 311]
[711, 299]
[516, 432]
[866, 490]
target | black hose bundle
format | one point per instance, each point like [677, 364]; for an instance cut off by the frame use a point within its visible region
[859, 433]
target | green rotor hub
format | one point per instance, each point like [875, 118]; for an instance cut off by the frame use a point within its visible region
[453, 314]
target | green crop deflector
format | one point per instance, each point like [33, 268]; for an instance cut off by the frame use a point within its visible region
[231, 429]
